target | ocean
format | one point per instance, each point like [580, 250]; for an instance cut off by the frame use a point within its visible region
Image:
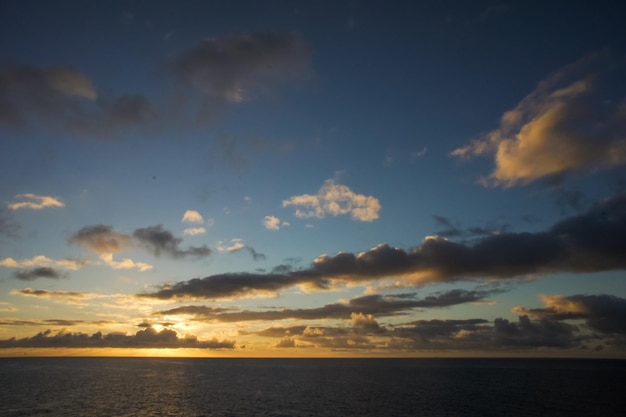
[311, 387]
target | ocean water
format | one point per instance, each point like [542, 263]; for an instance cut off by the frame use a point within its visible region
[311, 387]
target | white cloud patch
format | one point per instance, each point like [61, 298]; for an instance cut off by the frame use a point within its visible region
[274, 223]
[35, 202]
[192, 216]
[335, 199]
[193, 231]
[565, 125]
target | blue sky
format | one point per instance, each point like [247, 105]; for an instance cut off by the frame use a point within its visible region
[291, 178]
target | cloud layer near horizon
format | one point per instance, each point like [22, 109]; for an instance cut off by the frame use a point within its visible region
[591, 242]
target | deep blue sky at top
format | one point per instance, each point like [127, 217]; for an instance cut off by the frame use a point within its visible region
[387, 79]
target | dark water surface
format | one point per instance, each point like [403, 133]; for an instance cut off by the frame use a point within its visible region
[311, 387]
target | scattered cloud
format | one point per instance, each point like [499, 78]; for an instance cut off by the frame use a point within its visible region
[147, 338]
[565, 125]
[35, 202]
[192, 216]
[335, 199]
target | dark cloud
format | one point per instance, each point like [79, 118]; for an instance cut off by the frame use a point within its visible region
[377, 304]
[65, 99]
[241, 67]
[147, 338]
[591, 242]
[528, 333]
[50, 294]
[160, 241]
[103, 239]
[428, 335]
[602, 313]
[41, 272]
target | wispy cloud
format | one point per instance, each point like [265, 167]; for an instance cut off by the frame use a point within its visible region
[335, 199]
[368, 305]
[63, 98]
[194, 231]
[241, 67]
[565, 125]
[35, 202]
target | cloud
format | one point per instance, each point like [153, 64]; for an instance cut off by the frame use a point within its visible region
[160, 241]
[241, 67]
[64, 99]
[192, 216]
[50, 322]
[335, 199]
[273, 223]
[390, 305]
[366, 321]
[41, 261]
[147, 338]
[565, 125]
[193, 231]
[603, 313]
[41, 272]
[125, 263]
[103, 240]
[591, 242]
[237, 245]
[29, 292]
[35, 202]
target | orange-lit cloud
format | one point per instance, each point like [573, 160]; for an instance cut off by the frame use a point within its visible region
[563, 126]
[35, 202]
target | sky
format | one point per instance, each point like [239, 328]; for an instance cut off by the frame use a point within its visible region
[297, 178]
